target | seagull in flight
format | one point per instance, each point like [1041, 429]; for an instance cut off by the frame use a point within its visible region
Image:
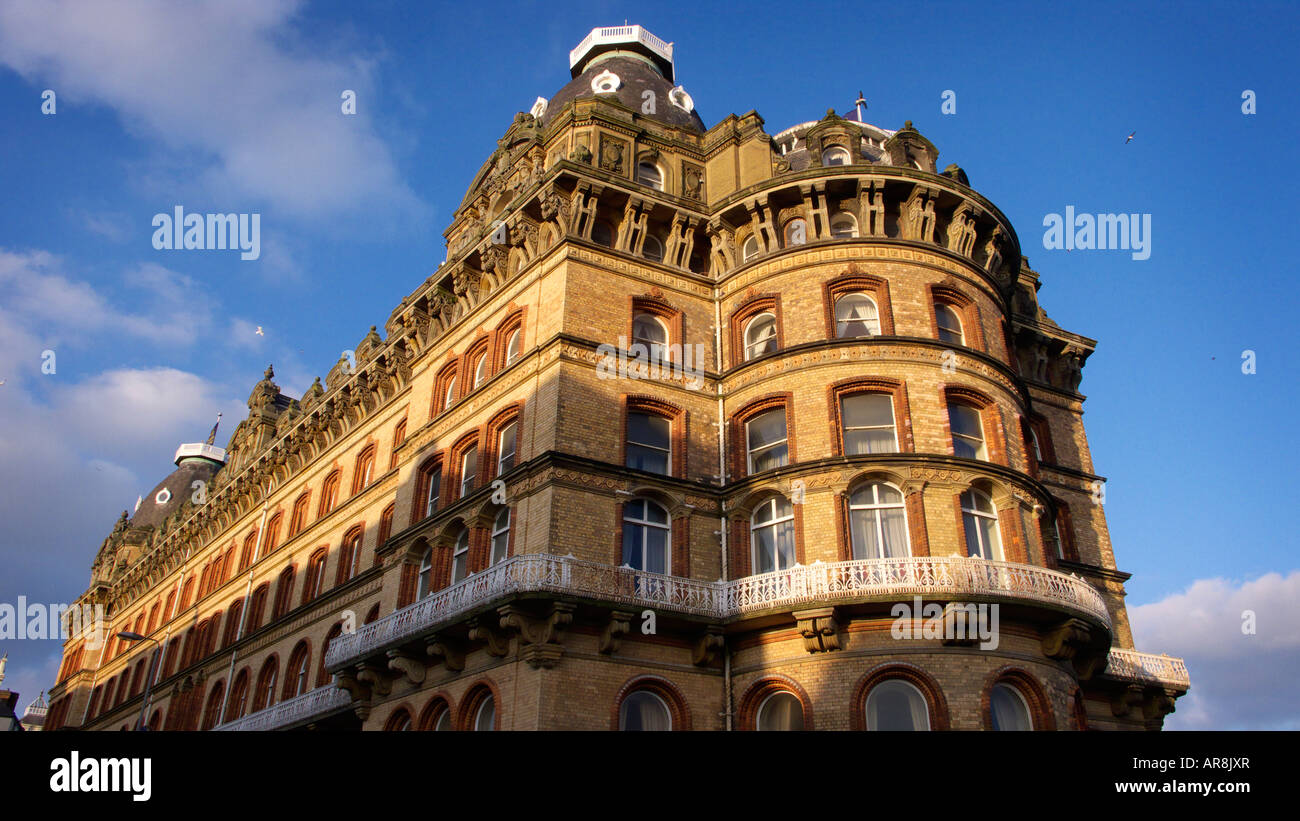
[1130, 138]
[259, 331]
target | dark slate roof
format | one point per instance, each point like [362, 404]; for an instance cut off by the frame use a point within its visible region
[180, 487]
[637, 77]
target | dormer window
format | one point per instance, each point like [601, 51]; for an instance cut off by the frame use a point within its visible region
[606, 82]
[648, 174]
[836, 155]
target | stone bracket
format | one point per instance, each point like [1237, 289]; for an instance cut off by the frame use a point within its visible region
[706, 648]
[1075, 641]
[538, 634]
[406, 664]
[819, 628]
[620, 623]
[498, 643]
[375, 677]
[451, 652]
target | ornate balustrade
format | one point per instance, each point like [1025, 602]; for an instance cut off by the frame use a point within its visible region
[945, 576]
[1149, 668]
[310, 704]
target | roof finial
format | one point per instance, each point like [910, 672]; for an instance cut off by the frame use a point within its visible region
[213, 435]
[270, 372]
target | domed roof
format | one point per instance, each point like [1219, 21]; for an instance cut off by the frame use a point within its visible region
[633, 75]
[168, 496]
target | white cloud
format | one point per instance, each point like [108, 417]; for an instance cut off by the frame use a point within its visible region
[225, 83]
[1239, 681]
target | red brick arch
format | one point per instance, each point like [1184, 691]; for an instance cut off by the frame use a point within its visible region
[678, 709]
[474, 698]
[937, 704]
[766, 686]
[1040, 709]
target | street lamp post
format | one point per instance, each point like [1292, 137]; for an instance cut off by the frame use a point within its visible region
[127, 635]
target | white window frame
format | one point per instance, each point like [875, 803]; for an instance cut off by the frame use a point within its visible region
[988, 552]
[424, 583]
[467, 477]
[942, 308]
[784, 440]
[645, 524]
[458, 551]
[746, 253]
[751, 345]
[622, 708]
[982, 452]
[513, 345]
[500, 530]
[845, 427]
[873, 509]
[836, 152]
[654, 179]
[668, 451]
[842, 323]
[502, 455]
[843, 218]
[774, 523]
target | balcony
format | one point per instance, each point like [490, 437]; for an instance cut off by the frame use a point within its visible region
[941, 577]
[1147, 668]
[312, 704]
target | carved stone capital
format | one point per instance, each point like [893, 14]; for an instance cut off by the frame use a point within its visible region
[537, 629]
[819, 628]
[1075, 641]
[376, 678]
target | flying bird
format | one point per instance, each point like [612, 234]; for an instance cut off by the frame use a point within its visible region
[1130, 138]
[259, 331]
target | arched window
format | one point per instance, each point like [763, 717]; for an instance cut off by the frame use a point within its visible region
[868, 424]
[425, 584]
[836, 155]
[967, 431]
[649, 442]
[1008, 708]
[399, 436]
[385, 525]
[365, 469]
[485, 717]
[894, 704]
[272, 540]
[760, 336]
[315, 581]
[442, 723]
[283, 593]
[796, 232]
[643, 710]
[652, 249]
[856, 315]
[750, 249]
[350, 555]
[767, 445]
[980, 521]
[399, 721]
[648, 174]
[449, 393]
[878, 522]
[949, 324]
[650, 331]
[480, 369]
[238, 696]
[468, 470]
[256, 607]
[297, 520]
[264, 696]
[772, 535]
[460, 557]
[298, 671]
[513, 344]
[501, 536]
[431, 486]
[844, 226]
[329, 494]
[646, 536]
[780, 711]
[250, 546]
[323, 676]
[506, 441]
[602, 234]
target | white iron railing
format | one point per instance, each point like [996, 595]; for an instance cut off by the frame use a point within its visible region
[620, 34]
[803, 584]
[1130, 664]
[310, 704]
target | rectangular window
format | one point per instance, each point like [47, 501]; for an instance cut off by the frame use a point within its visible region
[468, 470]
[766, 435]
[967, 431]
[868, 420]
[649, 441]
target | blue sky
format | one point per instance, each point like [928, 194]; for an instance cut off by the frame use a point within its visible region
[234, 107]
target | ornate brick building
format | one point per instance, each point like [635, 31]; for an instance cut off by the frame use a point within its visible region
[482, 524]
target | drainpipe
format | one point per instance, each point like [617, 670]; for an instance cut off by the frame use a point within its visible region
[243, 611]
[722, 516]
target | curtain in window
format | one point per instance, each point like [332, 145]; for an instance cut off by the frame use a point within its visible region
[1009, 711]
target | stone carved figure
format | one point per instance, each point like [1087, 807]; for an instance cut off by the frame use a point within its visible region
[611, 156]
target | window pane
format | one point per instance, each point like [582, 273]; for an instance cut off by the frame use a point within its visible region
[781, 711]
[767, 447]
[856, 315]
[649, 430]
[1008, 708]
[647, 330]
[642, 458]
[469, 469]
[512, 347]
[896, 705]
[642, 711]
[506, 448]
[487, 714]
[760, 336]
